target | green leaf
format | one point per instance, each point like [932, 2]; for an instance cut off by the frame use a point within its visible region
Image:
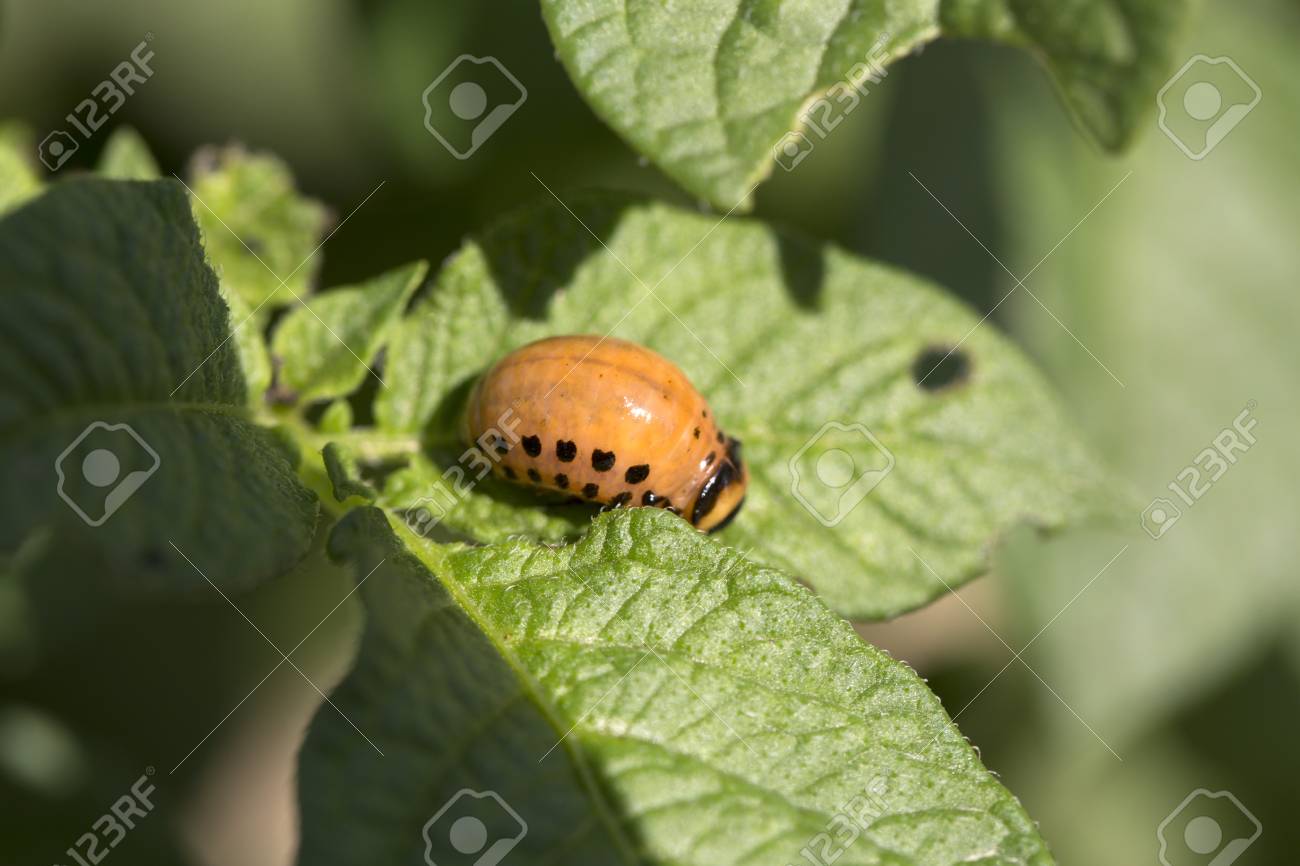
[337, 417]
[1164, 601]
[19, 181]
[344, 473]
[326, 344]
[707, 90]
[126, 156]
[809, 336]
[259, 232]
[645, 696]
[116, 370]
[246, 335]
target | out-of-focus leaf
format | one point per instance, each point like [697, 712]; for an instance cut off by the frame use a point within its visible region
[126, 156]
[18, 178]
[121, 400]
[327, 344]
[344, 474]
[1194, 311]
[258, 230]
[645, 696]
[709, 89]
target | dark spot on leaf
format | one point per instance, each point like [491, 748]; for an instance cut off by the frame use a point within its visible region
[637, 474]
[939, 367]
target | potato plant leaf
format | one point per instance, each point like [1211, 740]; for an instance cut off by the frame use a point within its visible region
[327, 344]
[19, 180]
[642, 697]
[709, 89]
[121, 399]
[259, 231]
[882, 467]
[126, 156]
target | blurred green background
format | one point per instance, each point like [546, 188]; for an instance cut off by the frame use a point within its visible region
[1169, 305]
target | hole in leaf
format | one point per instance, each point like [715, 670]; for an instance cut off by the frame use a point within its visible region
[940, 367]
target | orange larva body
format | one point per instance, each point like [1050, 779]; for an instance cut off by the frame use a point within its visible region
[608, 421]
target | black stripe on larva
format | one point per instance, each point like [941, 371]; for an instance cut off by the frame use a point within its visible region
[591, 491]
[532, 445]
[510, 473]
[562, 481]
[534, 476]
[726, 521]
[708, 461]
[708, 498]
[622, 499]
[651, 498]
[566, 450]
[637, 474]
[602, 461]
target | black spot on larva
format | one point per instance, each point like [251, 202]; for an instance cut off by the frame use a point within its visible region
[591, 491]
[940, 367]
[562, 481]
[713, 455]
[500, 445]
[697, 432]
[651, 498]
[602, 461]
[637, 474]
[722, 440]
[510, 473]
[622, 499]
[673, 508]
[566, 450]
[532, 446]
[704, 413]
[534, 476]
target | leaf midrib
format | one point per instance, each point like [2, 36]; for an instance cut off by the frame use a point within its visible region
[530, 685]
[78, 411]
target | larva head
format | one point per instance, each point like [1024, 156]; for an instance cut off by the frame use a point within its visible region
[722, 493]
